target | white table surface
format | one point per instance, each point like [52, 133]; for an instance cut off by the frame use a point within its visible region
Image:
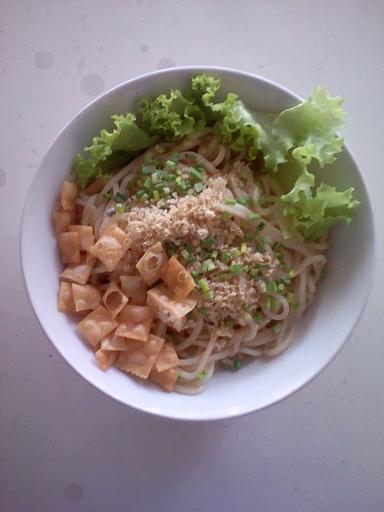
[63, 445]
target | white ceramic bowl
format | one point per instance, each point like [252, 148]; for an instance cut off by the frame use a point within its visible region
[341, 297]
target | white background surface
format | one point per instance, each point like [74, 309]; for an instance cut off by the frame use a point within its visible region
[63, 445]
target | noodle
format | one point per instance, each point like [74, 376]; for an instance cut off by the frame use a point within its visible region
[203, 345]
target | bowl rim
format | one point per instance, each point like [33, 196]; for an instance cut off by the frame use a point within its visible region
[247, 409]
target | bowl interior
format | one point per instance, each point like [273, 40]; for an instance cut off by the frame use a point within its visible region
[341, 296]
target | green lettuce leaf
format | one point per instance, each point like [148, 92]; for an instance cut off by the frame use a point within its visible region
[231, 118]
[109, 150]
[237, 125]
[308, 131]
[171, 117]
[313, 211]
[204, 89]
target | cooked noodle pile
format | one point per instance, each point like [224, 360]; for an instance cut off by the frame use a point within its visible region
[231, 286]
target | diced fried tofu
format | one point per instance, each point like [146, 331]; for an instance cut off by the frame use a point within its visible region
[166, 380]
[114, 300]
[177, 278]
[61, 220]
[78, 273]
[151, 263]
[111, 247]
[69, 246]
[135, 322]
[120, 235]
[167, 358]
[85, 297]
[86, 236]
[139, 357]
[168, 309]
[106, 358]
[135, 289]
[65, 302]
[97, 325]
[68, 195]
[114, 343]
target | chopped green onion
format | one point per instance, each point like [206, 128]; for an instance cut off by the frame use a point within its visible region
[195, 273]
[191, 260]
[198, 187]
[107, 195]
[185, 185]
[260, 226]
[195, 173]
[258, 317]
[203, 311]
[156, 195]
[225, 256]
[254, 216]
[243, 248]
[119, 197]
[185, 254]
[254, 273]
[235, 252]
[214, 254]
[170, 177]
[237, 364]
[143, 198]
[276, 328]
[280, 287]
[244, 200]
[119, 208]
[271, 287]
[203, 285]
[201, 375]
[170, 164]
[208, 242]
[245, 307]
[230, 201]
[291, 273]
[140, 193]
[148, 169]
[236, 269]
[229, 322]
[148, 183]
[208, 265]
